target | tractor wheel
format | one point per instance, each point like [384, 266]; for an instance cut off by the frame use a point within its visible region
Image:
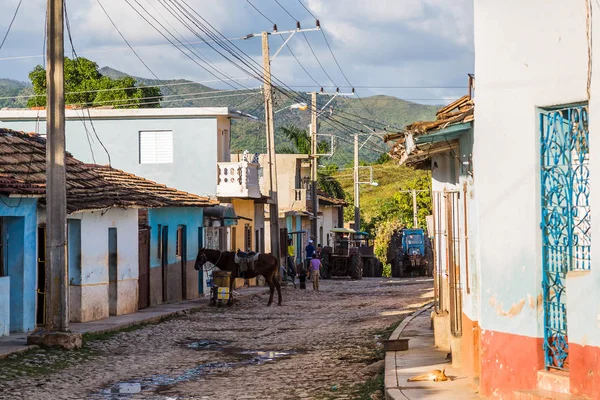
[325, 264]
[356, 267]
[367, 268]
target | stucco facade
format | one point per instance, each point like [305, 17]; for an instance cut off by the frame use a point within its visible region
[18, 275]
[172, 273]
[200, 139]
[527, 62]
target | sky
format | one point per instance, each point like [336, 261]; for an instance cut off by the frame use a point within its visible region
[382, 46]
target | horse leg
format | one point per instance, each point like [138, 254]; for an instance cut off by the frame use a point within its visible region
[270, 280]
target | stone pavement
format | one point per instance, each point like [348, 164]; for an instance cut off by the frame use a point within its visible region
[421, 358]
[17, 343]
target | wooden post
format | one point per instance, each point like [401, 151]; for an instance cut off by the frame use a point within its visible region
[356, 188]
[314, 162]
[57, 316]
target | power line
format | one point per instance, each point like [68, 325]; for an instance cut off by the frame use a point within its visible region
[127, 42]
[11, 24]
[130, 87]
[260, 12]
[286, 45]
[306, 8]
[209, 65]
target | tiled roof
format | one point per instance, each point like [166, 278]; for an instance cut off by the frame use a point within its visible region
[405, 146]
[23, 168]
[168, 196]
[326, 199]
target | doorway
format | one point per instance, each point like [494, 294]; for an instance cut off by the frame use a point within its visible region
[566, 227]
[165, 261]
[181, 248]
[144, 267]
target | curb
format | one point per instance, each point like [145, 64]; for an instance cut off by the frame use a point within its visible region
[19, 350]
[391, 390]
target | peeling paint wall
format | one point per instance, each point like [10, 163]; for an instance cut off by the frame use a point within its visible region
[539, 62]
[89, 299]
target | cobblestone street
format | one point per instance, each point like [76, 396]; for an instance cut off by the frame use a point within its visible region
[317, 345]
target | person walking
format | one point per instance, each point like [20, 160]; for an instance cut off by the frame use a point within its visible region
[315, 269]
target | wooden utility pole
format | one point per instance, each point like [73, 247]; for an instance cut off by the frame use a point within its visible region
[271, 155]
[356, 188]
[415, 217]
[57, 313]
[314, 164]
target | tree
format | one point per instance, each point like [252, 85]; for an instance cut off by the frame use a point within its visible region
[86, 87]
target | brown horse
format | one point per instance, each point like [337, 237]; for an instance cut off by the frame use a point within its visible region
[266, 265]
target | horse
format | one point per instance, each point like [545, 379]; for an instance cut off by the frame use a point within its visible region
[266, 265]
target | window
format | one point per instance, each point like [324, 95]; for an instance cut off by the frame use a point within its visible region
[156, 147]
[248, 237]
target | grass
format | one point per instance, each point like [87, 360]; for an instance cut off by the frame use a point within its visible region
[363, 391]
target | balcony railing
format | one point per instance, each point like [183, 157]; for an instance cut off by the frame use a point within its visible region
[238, 179]
[299, 200]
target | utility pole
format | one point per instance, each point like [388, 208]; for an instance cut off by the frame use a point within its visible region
[57, 304]
[356, 188]
[271, 155]
[415, 219]
[414, 201]
[314, 164]
[57, 315]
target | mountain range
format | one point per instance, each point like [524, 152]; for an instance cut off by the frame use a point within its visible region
[351, 114]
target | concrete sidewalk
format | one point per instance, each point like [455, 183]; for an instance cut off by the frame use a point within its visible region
[17, 343]
[421, 358]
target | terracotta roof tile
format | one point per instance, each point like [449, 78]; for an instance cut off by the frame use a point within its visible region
[89, 187]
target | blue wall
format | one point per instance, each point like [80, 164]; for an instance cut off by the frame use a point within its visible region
[194, 148]
[20, 236]
[192, 218]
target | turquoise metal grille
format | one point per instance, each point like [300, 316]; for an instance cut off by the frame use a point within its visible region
[565, 219]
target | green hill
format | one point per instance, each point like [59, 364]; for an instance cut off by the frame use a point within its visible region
[250, 135]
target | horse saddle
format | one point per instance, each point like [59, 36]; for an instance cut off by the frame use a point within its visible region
[245, 260]
[241, 254]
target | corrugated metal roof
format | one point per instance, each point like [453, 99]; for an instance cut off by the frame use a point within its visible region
[89, 187]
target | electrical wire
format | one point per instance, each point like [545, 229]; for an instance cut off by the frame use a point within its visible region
[11, 24]
[286, 45]
[127, 42]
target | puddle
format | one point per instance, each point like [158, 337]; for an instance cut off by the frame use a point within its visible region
[159, 383]
[207, 344]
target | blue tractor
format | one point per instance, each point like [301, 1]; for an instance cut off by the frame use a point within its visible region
[411, 257]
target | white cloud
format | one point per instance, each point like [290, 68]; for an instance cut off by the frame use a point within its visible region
[377, 42]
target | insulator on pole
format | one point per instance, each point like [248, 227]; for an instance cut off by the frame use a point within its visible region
[318, 24]
[274, 27]
[298, 25]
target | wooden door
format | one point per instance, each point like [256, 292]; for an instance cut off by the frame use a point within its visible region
[144, 268]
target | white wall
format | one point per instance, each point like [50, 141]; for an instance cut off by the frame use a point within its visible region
[529, 54]
[90, 300]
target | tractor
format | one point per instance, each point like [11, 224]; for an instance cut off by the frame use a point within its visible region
[410, 258]
[372, 267]
[344, 258]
